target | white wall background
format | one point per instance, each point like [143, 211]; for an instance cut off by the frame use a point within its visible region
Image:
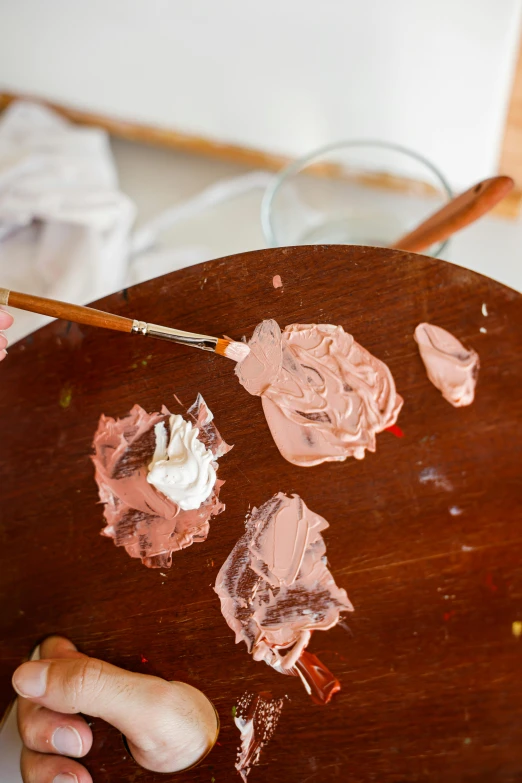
[281, 75]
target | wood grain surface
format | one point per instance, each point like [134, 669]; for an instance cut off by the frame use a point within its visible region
[431, 669]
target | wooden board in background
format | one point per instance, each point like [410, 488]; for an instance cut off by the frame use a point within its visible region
[431, 672]
[509, 207]
[511, 154]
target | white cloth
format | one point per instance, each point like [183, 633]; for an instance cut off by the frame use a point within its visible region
[65, 227]
[64, 224]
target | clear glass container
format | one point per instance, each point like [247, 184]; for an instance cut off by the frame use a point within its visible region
[353, 193]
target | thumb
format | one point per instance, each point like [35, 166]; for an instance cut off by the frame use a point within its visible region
[169, 726]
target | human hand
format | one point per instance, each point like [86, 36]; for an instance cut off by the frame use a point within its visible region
[5, 322]
[168, 726]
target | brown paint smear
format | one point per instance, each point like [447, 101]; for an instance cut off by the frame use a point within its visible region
[275, 590]
[256, 718]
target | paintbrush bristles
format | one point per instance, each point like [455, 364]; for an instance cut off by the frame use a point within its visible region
[232, 350]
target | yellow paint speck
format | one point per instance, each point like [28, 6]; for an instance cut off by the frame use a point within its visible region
[516, 628]
[65, 397]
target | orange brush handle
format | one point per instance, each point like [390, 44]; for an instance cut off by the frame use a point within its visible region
[458, 214]
[69, 312]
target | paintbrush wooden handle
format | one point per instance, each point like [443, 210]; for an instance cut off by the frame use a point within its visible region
[460, 212]
[69, 312]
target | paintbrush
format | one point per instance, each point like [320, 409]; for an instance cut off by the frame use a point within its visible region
[91, 317]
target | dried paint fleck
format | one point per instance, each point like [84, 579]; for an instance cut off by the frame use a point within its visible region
[516, 629]
[467, 741]
[434, 476]
[466, 548]
[483, 330]
[490, 583]
[455, 511]
[277, 282]
[234, 712]
[143, 659]
[65, 397]
[485, 310]
[395, 430]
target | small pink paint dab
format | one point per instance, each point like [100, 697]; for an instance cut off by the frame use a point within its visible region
[277, 282]
[395, 430]
[177, 400]
[143, 659]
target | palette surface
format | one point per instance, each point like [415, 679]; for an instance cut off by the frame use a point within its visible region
[425, 535]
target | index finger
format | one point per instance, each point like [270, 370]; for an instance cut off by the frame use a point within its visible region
[170, 726]
[6, 319]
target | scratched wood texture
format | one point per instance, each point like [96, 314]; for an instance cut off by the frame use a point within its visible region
[431, 669]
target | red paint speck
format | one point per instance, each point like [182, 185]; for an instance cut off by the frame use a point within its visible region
[395, 430]
[143, 659]
[490, 583]
[448, 615]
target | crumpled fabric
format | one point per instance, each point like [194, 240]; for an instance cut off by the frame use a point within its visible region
[66, 229]
[64, 223]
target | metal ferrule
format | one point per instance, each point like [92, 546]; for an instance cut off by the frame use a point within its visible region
[202, 341]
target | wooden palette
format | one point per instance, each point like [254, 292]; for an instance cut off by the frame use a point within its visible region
[431, 669]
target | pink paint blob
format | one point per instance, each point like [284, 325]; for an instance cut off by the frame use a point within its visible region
[275, 590]
[277, 282]
[451, 368]
[138, 517]
[324, 396]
